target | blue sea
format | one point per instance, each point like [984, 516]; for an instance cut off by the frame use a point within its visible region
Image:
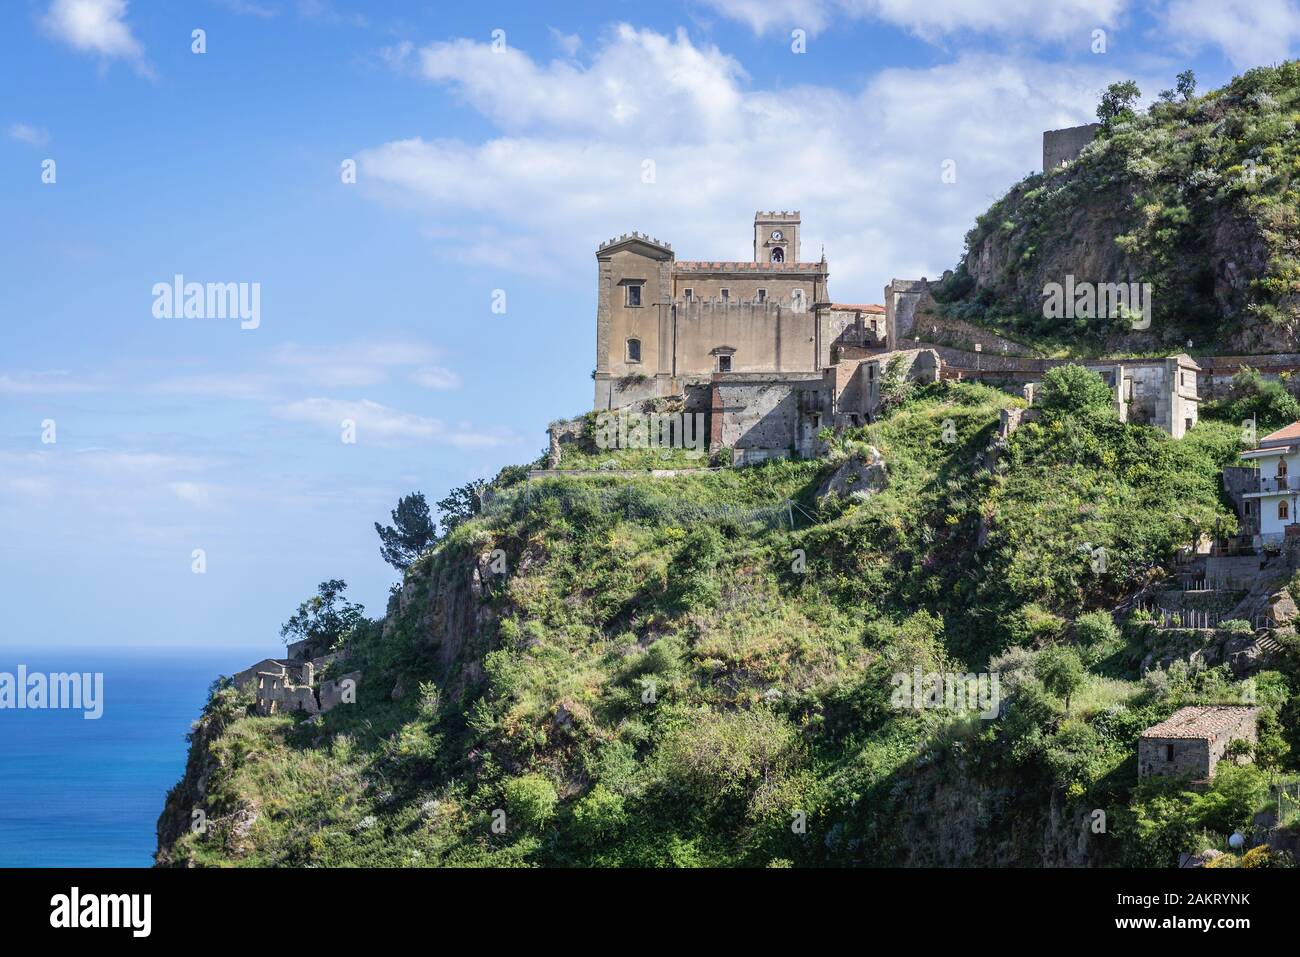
[78, 793]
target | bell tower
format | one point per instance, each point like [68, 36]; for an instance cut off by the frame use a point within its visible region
[776, 237]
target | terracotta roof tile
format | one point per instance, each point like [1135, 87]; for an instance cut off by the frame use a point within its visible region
[1199, 721]
[869, 308]
[1286, 433]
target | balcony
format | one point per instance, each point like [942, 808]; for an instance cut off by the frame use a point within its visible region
[1271, 486]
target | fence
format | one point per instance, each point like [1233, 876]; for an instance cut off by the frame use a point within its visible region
[1196, 618]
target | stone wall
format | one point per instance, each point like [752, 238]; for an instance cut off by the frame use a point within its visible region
[1064, 146]
[1191, 757]
[762, 416]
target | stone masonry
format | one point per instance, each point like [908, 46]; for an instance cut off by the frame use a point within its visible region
[1193, 740]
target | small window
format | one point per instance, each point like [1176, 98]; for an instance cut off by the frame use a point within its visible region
[761, 295]
[1182, 379]
[725, 294]
[1245, 507]
[633, 293]
[689, 294]
[634, 350]
[724, 363]
[1282, 509]
[796, 300]
[1169, 752]
[1281, 468]
[871, 373]
[778, 255]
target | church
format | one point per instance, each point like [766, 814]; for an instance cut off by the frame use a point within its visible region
[664, 324]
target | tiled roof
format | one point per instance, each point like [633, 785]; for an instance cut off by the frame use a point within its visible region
[870, 308]
[700, 265]
[1199, 721]
[1285, 434]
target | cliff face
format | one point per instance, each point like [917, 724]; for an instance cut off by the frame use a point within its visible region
[1197, 198]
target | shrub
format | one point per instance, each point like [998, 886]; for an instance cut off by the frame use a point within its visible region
[531, 800]
[1074, 389]
[599, 816]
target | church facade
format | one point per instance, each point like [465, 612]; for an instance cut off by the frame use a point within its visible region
[664, 325]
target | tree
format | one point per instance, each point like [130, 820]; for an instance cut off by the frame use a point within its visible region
[461, 504]
[411, 533]
[325, 618]
[1097, 633]
[1118, 101]
[1060, 671]
[1187, 84]
[1072, 388]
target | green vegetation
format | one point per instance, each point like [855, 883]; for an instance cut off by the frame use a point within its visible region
[1198, 196]
[671, 673]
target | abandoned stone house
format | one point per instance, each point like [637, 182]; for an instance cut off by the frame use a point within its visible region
[1193, 740]
[290, 684]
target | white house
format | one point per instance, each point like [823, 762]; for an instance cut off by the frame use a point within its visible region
[1273, 497]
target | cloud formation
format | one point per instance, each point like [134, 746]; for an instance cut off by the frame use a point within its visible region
[96, 26]
[661, 134]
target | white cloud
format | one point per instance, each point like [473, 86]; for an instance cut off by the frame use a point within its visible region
[384, 425]
[436, 377]
[25, 133]
[351, 364]
[637, 80]
[220, 385]
[191, 493]
[570, 43]
[933, 19]
[54, 382]
[863, 167]
[1250, 32]
[96, 26]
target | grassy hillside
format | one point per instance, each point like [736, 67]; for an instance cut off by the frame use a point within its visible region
[669, 673]
[1197, 196]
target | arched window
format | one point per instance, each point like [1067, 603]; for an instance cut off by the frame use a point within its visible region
[634, 350]
[1282, 510]
[1281, 468]
[778, 255]
[796, 300]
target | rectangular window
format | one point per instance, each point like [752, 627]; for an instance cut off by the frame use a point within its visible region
[633, 294]
[1169, 752]
[762, 295]
[724, 363]
[726, 295]
[689, 294]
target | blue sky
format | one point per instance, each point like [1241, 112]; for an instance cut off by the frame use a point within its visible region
[478, 169]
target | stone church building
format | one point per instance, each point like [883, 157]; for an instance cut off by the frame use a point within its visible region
[761, 349]
[664, 324]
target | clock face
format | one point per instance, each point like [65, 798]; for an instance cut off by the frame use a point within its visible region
[776, 234]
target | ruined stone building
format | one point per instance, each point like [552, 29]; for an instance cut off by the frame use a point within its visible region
[1193, 740]
[293, 683]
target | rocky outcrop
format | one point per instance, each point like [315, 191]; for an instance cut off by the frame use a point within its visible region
[861, 474]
